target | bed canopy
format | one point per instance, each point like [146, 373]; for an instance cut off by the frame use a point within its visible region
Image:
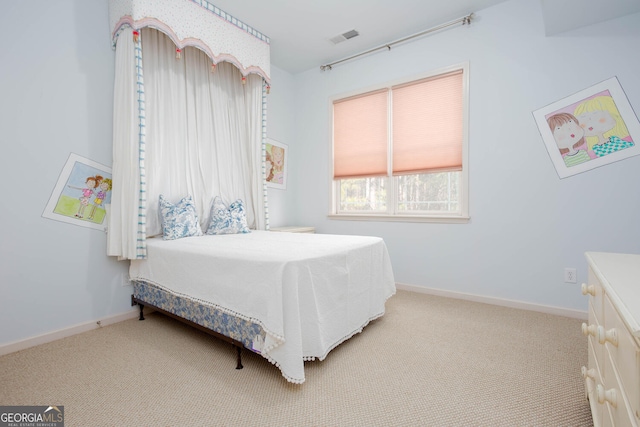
[189, 115]
[197, 23]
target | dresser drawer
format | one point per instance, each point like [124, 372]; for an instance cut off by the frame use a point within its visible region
[611, 394]
[591, 379]
[596, 348]
[625, 356]
[596, 294]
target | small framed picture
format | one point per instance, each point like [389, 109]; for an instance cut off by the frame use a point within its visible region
[594, 127]
[275, 164]
[81, 193]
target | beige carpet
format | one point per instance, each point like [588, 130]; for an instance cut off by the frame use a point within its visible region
[430, 361]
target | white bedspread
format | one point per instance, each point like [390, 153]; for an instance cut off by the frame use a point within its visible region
[310, 292]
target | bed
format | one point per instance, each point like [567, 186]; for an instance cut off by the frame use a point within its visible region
[189, 121]
[290, 297]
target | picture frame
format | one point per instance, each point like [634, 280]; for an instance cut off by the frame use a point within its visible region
[276, 163]
[591, 128]
[81, 194]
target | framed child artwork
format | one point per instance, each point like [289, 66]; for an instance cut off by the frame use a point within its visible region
[81, 193]
[594, 127]
[276, 163]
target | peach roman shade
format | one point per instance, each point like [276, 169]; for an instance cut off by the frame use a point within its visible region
[427, 124]
[360, 135]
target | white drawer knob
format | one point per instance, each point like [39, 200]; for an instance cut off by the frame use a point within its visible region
[588, 289]
[607, 395]
[589, 376]
[588, 373]
[603, 336]
[589, 330]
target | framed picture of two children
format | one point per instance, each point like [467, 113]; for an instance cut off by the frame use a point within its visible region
[591, 128]
[81, 194]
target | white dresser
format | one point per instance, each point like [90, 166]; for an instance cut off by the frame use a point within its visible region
[612, 378]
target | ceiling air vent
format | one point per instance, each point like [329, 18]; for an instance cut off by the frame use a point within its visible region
[344, 36]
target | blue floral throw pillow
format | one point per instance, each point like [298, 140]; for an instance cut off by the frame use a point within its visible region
[179, 220]
[227, 220]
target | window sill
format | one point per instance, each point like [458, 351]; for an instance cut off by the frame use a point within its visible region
[401, 218]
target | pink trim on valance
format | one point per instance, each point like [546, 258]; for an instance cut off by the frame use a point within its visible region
[195, 23]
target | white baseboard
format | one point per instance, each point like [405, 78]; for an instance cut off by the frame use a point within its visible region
[67, 332]
[576, 314]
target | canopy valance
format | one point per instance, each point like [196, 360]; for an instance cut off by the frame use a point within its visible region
[197, 23]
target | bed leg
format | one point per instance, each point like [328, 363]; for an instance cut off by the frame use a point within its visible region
[239, 357]
[141, 314]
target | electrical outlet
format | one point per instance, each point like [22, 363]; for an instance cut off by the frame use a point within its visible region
[570, 275]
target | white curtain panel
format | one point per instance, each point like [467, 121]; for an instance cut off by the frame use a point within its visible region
[122, 236]
[203, 135]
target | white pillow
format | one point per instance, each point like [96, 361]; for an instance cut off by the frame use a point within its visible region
[227, 220]
[179, 220]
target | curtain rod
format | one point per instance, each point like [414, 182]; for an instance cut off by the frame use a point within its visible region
[464, 20]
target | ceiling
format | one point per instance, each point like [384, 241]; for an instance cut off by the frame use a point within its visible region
[583, 12]
[300, 30]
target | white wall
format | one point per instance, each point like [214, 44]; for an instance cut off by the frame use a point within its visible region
[56, 81]
[281, 127]
[526, 223]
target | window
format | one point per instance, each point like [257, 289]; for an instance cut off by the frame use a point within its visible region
[400, 150]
